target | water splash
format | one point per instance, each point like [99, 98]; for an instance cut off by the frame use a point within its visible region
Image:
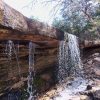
[31, 75]
[69, 58]
[71, 92]
[10, 50]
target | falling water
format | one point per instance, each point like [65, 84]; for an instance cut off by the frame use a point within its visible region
[10, 50]
[74, 52]
[31, 75]
[70, 65]
[62, 73]
[69, 57]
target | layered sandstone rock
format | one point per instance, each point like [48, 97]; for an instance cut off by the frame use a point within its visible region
[89, 44]
[45, 60]
[20, 29]
[13, 19]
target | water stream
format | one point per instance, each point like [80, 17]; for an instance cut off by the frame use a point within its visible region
[69, 58]
[31, 90]
[70, 65]
[11, 52]
[63, 59]
[74, 55]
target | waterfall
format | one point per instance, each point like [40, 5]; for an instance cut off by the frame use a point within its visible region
[74, 52]
[69, 57]
[62, 73]
[31, 75]
[10, 51]
[70, 65]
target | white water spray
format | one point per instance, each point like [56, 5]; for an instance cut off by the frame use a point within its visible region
[74, 53]
[70, 65]
[69, 58]
[31, 75]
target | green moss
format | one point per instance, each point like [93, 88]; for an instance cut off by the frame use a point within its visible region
[39, 82]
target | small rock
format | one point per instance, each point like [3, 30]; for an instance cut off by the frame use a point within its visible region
[59, 89]
[95, 54]
[89, 87]
[84, 97]
[96, 82]
[75, 98]
[97, 59]
[90, 62]
[96, 95]
[45, 98]
[51, 93]
[97, 71]
[55, 88]
[69, 84]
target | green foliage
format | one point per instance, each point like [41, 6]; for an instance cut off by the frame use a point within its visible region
[24, 93]
[77, 24]
[39, 82]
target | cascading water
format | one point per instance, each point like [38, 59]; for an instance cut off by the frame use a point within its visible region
[31, 75]
[74, 53]
[69, 57]
[70, 65]
[11, 53]
[10, 50]
[63, 58]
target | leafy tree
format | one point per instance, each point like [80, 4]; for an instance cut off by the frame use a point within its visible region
[80, 17]
[83, 23]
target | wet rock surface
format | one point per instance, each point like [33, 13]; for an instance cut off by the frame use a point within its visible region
[44, 66]
[45, 55]
[91, 65]
[64, 94]
[45, 80]
[96, 95]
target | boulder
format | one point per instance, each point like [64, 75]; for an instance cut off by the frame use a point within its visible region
[96, 95]
[90, 44]
[84, 97]
[89, 87]
[97, 71]
[97, 59]
[96, 54]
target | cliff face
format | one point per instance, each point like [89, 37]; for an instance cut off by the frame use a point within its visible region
[45, 58]
[20, 29]
[11, 18]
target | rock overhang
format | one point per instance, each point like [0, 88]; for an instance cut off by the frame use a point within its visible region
[13, 20]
